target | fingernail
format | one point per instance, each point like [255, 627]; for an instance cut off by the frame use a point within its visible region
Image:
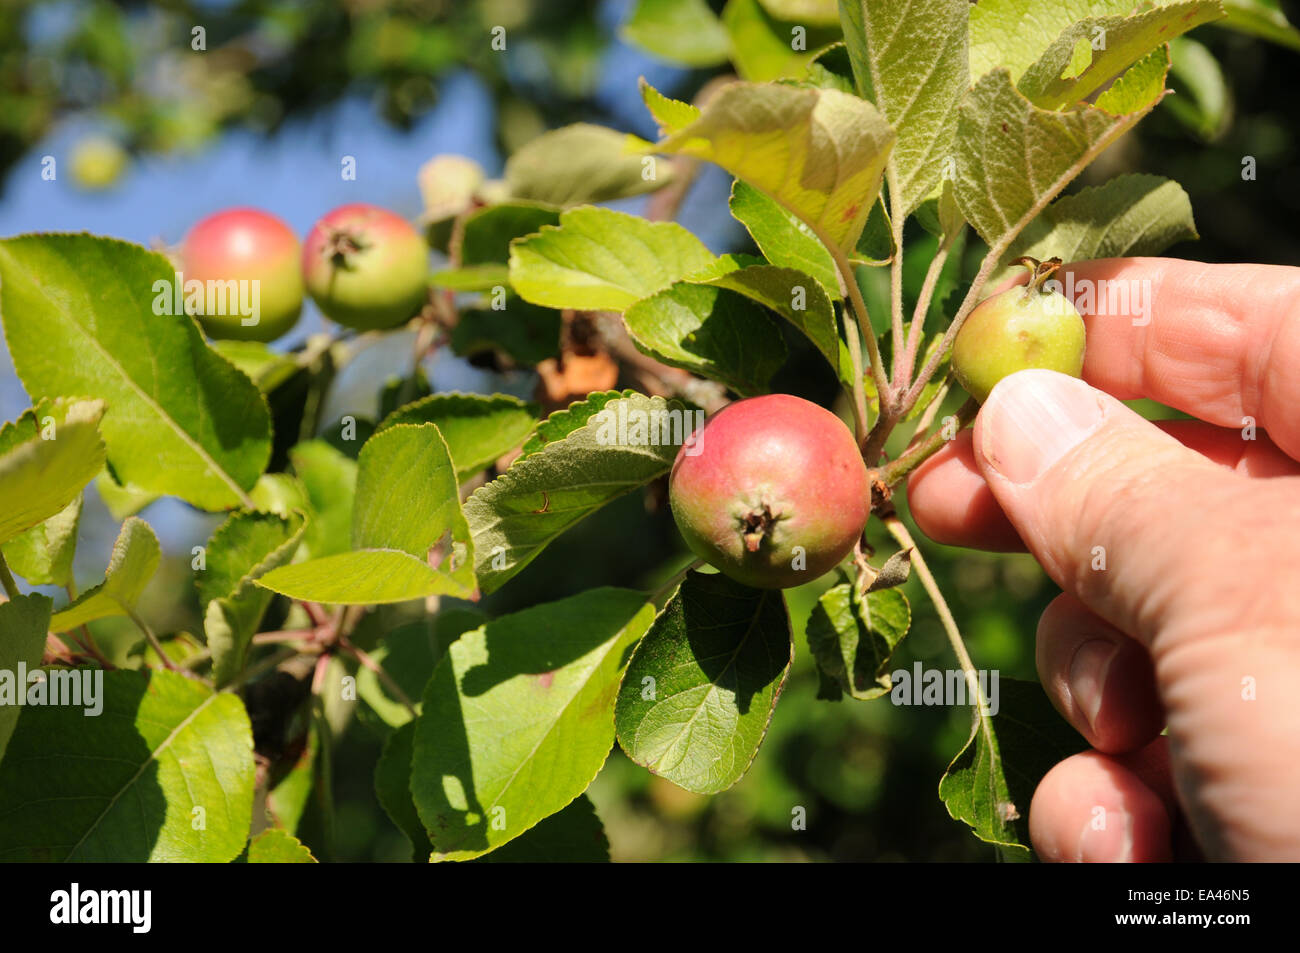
[1034, 418]
[1087, 678]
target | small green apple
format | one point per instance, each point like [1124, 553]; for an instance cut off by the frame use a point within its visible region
[1021, 328]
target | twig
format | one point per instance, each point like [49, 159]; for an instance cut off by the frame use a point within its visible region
[266, 664]
[318, 674]
[923, 306]
[88, 643]
[896, 293]
[904, 538]
[967, 305]
[153, 641]
[364, 658]
[930, 412]
[857, 325]
[7, 579]
[317, 614]
[305, 636]
[896, 470]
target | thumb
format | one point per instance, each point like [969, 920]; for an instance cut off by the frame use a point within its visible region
[1120, 514]
[1192, 559]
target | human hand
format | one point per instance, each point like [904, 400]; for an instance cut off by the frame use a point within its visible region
[1194, 623]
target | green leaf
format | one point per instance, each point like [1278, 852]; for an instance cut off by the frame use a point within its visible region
[1262, 18]
[543, 494]
[832, 68]
[1129, 215]
[361, 578]
[876, 244]
[477, 429]
[700, 691]
[393, 789]
[796, 298]
[288, 797]
[266, 368]
[670, 114]
[180, 419]
[408, 655]
[1203, 100]
[526, 333]
[991, 781]
[598, 259]
[489, 231]
[278, 847]
[167, 752]
[281, 494]
[43, 554]
[573, 836]
[818, 152]
[812, 12]
[1014, 158]
[1015, 33]
[853, 639]
[579, 164]
[408, 497]
[911, 61]
[763, 46]
[397, 392]
[24, 622]
[406, 505]
[121, 501]
[519, 718]
[561, 423]
[711, 332]
[1139, 89]
[679, 31]
[1055, 79]
[247, 545]
[133, 563]
[783, 239]
[46, 457]
[330, 478]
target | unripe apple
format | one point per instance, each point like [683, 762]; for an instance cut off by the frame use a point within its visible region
[98, 162]
[365, 267]
[1021, 328]
[771, 491]
[244, 245]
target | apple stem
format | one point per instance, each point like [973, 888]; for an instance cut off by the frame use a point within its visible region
[1039, 272]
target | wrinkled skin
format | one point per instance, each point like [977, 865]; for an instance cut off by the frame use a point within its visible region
[773, 473]
[365, 267]
[246, 244]
[1015, 331]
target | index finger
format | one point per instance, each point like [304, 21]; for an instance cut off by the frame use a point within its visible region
[1220, 342]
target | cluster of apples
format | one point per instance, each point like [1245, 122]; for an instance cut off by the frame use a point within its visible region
[365, 267]
[773, 491]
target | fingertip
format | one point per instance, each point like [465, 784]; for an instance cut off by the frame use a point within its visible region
[1099, 679]
[1092, 809]
[952, 503]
